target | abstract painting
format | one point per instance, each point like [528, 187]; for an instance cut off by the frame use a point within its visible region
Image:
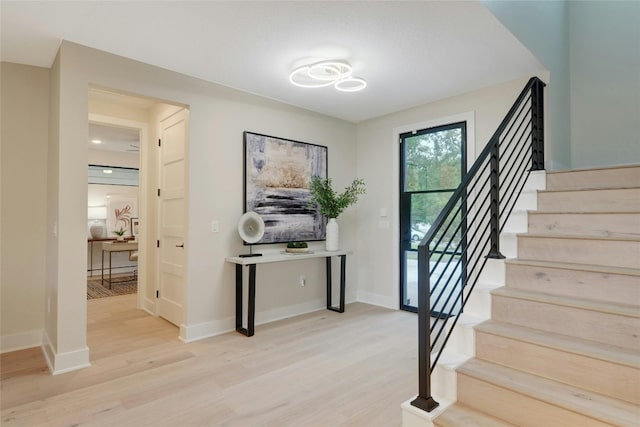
[277, 173]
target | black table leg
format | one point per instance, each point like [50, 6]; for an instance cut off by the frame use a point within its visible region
[239, 327]
[102, 271]
[343, 266]
[251, 309]
[110, 269]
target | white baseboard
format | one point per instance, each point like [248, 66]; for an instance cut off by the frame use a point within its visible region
[206, 330]
[379, 300]
[189, 333]
[149, 306]
[59, 363]
[14, 342]
[414, 417]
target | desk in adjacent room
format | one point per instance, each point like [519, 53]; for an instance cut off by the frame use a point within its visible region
[111, 247]
[251, 262]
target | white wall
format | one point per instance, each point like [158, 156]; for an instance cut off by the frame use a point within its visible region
[592, 49]
[218, 116]
[543, 27]
[378, 165]
[605, 83]
[24, 136]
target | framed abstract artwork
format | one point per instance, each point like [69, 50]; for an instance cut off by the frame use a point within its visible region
[277, 173]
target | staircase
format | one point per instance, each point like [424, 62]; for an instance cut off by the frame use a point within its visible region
[562, 347]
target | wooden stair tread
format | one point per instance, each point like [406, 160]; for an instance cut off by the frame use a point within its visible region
[628, 310]
[565, 343]
[578, 190]
[572, 266]
[581, 237]
[584, 402]
[593, 169]
[534, 212]
[458, 415]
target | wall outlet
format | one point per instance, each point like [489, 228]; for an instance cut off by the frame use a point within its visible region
[303, 280]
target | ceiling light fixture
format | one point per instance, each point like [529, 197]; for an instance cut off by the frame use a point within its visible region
[327, 73]
[96, 141]
[107, 171]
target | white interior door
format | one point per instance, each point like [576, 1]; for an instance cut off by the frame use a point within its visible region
[172, 218]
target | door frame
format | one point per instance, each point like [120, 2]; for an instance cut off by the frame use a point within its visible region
[469, 118]
[143, 199]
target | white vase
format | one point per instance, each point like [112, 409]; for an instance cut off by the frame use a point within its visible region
[333, 232]
[96, 230]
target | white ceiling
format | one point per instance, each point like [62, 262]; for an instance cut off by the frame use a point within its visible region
[114, 138]
[410, 53]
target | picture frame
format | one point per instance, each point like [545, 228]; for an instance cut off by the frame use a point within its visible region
[120, 209]
[135, 227]
[277, 173]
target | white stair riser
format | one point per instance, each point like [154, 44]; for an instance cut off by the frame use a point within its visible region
[606, 287]
[493, 272]
[587, 224]
[517, 223]
[444, 382]
[596, 178]
[479, 302]
[614, 253]
[614, 200]
[509, 245]
[606, 328]
[537, 181]
[462, 339]
[516, 408]
[600, 376]
[528, 200]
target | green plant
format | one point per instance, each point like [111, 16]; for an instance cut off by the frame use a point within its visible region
[119, 232]
[332, 204]
[297, 245]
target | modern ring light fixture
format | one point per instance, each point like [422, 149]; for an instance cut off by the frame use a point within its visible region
[327, 73]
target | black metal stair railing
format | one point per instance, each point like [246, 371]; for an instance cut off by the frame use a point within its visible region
[467, 232]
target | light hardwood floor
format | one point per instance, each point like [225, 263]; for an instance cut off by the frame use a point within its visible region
[320, 369]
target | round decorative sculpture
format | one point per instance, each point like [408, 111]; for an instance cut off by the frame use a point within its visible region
[251, 230]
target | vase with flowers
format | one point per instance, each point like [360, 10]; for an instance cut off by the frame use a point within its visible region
[331, 204]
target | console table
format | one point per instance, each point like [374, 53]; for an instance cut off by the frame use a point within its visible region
[111, 247]
[251, 262]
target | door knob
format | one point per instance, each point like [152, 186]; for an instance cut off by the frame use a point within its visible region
[180, 246]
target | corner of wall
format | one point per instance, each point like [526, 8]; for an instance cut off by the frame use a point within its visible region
[60, 363]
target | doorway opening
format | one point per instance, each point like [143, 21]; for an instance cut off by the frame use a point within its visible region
[130, 198]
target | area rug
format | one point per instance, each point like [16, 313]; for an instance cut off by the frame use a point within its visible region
[120, 286]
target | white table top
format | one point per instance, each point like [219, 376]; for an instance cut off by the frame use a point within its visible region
[283, 256]
[127, 245]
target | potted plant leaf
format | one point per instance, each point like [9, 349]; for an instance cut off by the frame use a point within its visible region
[331, 204]
[119, 233]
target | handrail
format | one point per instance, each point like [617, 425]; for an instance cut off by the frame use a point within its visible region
[467, 230]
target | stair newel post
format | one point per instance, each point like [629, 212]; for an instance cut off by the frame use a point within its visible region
[494, 194]
[537, 126]
[424, 400]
